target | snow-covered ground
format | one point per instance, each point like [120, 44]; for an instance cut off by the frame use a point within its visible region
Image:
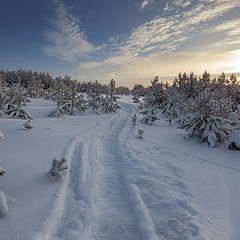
[118, 186]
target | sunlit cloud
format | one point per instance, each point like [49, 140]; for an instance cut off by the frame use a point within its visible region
[65, 38]
[155, 44]
[165, 34]
[144, 4]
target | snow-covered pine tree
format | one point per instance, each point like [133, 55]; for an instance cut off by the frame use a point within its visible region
[233, 91]
[59, 98]
[3, 202]
[135, 99]
[81, 103]
[71, 106]
[149, 116]
[108, 105]
[94, 100]
[234, 141]
[2, 171]
[169, 105]
[35, 88]
[15, 101]
[112, 88]
[3, 97]
[209, 121]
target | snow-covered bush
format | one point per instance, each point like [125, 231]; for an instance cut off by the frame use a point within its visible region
[99, 104]
[149, 116]
[108, 105]
[169, 105]
[140, 133]
[3, 97]
[3, 204]
[57, 168]
[135, 99]
[94, 100]
[234, 141]
[58, 96]
[209, 119]
[14, 102]
[81, 103]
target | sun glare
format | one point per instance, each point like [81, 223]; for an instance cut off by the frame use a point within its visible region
[231, 63]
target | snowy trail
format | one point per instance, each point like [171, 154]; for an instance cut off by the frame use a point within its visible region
[116, 217]
[94, 202]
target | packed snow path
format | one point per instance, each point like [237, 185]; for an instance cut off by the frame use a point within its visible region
[94, 202]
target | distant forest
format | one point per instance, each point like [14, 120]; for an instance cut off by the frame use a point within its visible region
[46, 81]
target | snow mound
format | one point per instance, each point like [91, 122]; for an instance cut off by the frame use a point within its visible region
[1, 135]
[3, 204]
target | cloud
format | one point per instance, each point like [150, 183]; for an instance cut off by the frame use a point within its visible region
[166, 34]
[230, 27]
[65, 38]
[144, 4]
[152, 48]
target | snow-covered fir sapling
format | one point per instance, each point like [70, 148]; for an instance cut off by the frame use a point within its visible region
[112, 88]
[209, 119]
[2, 171]
[28, 125]
[135, 99]
[140, 133]
[57, 168]
[3, 202]
[134, 119]
[59, 97]
[150, 116]
[234, 141]
[15, 100]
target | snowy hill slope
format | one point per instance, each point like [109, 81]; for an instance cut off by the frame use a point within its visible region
[118, 186]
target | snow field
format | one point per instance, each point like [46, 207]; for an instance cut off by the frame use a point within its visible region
[117, 186]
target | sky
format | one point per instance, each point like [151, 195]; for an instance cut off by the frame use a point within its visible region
[128, 40]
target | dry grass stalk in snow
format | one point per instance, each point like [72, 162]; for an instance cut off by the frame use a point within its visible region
[140, 134]
[3, 204]
[28, 125]
[134, 119]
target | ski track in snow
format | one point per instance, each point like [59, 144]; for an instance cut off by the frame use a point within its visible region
[94, 201]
